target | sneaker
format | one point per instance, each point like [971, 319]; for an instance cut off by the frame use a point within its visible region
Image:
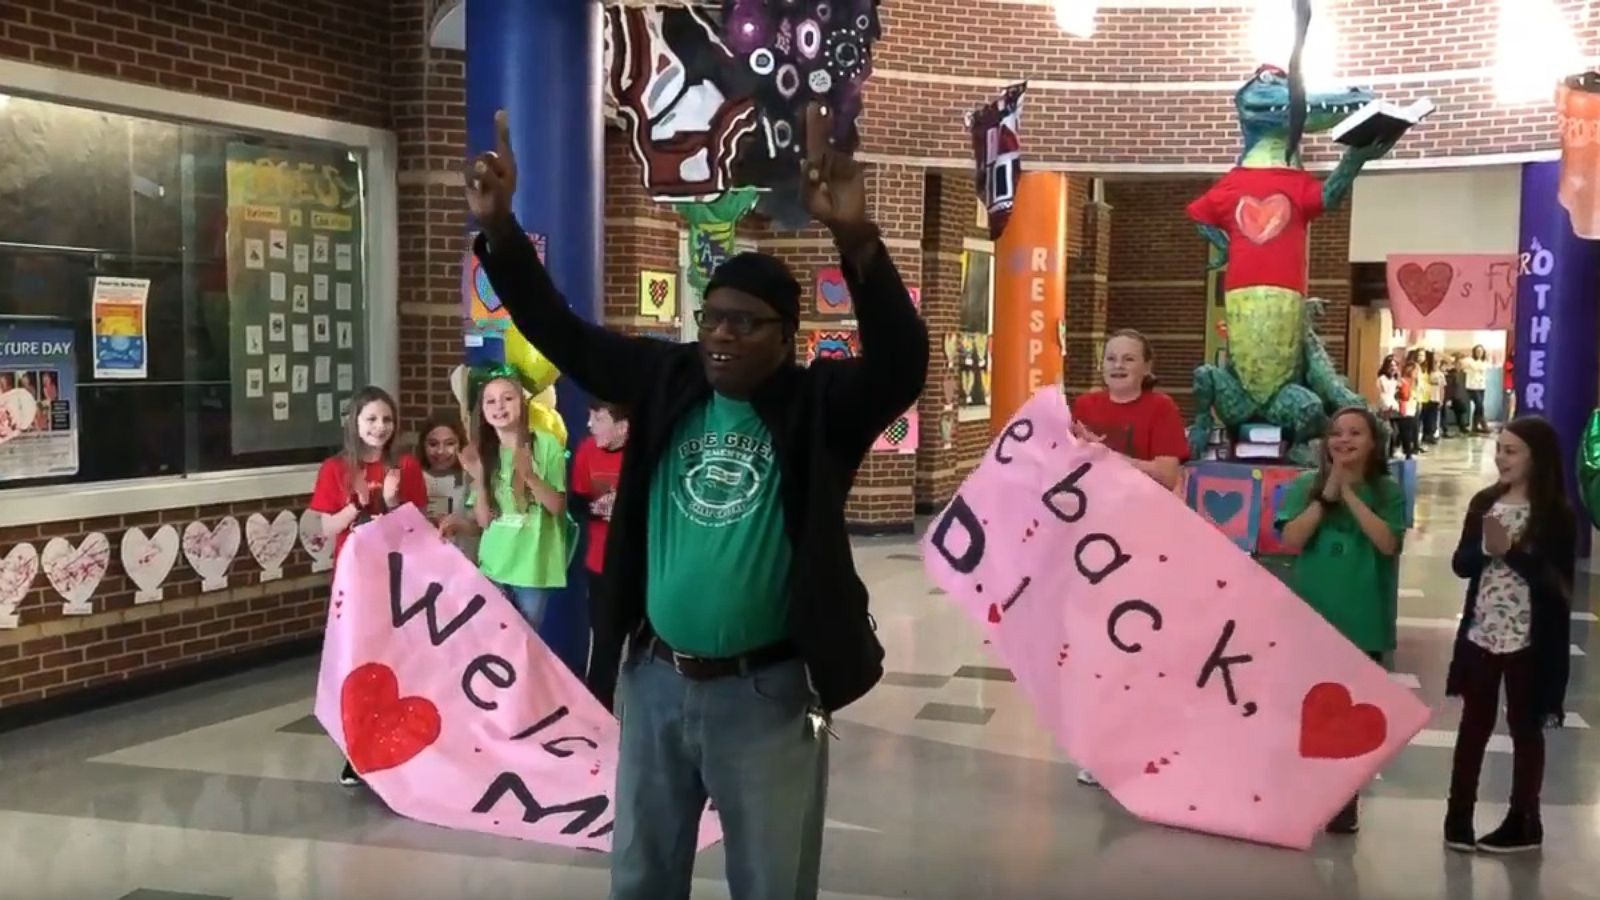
[1347, 821]
[1086, 777]
[1518, 834]
[1458, 832]
[349, 778]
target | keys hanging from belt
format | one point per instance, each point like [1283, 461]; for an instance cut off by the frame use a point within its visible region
[818, 723]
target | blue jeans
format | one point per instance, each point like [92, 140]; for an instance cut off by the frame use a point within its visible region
[742, 742]
[530, 601]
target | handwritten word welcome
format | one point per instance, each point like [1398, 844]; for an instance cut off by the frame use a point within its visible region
[1191, 681]
[450, 706]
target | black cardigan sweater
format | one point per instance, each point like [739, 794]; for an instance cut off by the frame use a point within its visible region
[823, 419]
[1547, 567]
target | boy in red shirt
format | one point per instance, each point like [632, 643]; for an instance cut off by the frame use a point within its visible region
[596, 471]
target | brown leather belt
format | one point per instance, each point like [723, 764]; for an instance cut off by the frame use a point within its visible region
[698, 668]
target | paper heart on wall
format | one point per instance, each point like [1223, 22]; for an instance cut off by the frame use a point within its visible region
[317, 545]
[271, 542]
[149, 560]
[833, 294]
[76, 571]
[1426, 287]
[17, 570]
[210, 551]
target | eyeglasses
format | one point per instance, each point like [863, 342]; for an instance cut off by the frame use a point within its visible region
[742, 324]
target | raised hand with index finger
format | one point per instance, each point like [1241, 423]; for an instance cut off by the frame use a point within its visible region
[833, 184]
[492, 180]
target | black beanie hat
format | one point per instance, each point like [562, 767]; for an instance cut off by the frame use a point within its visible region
[764, 277]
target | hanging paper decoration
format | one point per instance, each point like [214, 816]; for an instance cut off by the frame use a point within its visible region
[684, 98]
[831, 344]
[997, 153]
[1578, 108]
[833, 294]
[210, 551]
[479, 305]
[271, 542]
[902, 436]
[712, 227]
[17, 570]
[658, 295]
[76, 571]
[800, 52]
[149, 560]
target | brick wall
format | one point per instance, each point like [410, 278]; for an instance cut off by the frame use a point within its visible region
[938, 59]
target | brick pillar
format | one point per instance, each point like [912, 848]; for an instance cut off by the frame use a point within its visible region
[429, 122]
[1330, 280]
[951, 448]
[1088, 288]
[640, 234]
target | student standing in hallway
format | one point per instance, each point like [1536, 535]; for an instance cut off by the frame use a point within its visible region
[1133, 418]
[731, 579]
[1517, 554]
[1478, 386]
[1346, 521]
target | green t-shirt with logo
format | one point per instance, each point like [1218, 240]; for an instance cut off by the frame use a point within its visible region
[718, 562]
[1340, 573]
[527, 549]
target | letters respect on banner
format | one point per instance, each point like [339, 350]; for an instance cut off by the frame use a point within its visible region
[1197, 687]
[450, 706]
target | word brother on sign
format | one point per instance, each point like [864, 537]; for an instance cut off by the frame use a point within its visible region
[450, 706]
[1538, 264]
[1198, 688]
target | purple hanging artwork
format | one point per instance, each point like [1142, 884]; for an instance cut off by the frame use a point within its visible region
[800, 52]
[686, 100]
[997, 152]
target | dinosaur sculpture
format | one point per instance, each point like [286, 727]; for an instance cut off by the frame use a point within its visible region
[1278, 370]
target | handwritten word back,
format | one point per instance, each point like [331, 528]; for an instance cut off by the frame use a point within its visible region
[1198, 688]
[451, 707]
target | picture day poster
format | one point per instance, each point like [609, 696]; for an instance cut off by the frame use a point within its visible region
[296, 294]
[38, 399]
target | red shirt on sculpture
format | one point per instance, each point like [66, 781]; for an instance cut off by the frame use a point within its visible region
[1266, 213]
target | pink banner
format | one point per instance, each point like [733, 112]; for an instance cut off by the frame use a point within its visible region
[1453, 293]
[1194, 684]
[450, 706]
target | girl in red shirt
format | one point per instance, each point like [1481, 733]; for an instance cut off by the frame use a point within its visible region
[1129, 415]
[365, 480]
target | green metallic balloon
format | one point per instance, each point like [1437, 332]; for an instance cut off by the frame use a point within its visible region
[1589, 467]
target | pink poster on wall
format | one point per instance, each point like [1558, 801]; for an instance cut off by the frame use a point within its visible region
[1196, 686]
[450, 706]
[1471, 292]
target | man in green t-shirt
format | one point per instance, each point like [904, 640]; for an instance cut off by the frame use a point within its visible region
[729, 571]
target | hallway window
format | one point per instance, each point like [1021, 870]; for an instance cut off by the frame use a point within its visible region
[196, 295]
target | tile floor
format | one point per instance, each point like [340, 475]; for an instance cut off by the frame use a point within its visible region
[944, 788]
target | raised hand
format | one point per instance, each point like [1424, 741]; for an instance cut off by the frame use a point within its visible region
[391, 487]
[1496, 539]
[1333, 488]
[833, 184]
[492, 180]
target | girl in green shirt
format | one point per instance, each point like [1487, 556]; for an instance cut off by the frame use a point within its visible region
[519, 499]
[1347, 520]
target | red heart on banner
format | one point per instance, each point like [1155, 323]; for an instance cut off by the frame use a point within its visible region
[1332, 726]
[1425, 288]
[383, 730]
[1262, 220]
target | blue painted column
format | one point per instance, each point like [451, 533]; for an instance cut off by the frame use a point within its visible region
[540, 61]
[1557, 363]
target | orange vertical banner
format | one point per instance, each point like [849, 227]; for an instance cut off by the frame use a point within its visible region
[1030, 296]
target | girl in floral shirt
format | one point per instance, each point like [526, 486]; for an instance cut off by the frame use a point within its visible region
[1516, 551]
